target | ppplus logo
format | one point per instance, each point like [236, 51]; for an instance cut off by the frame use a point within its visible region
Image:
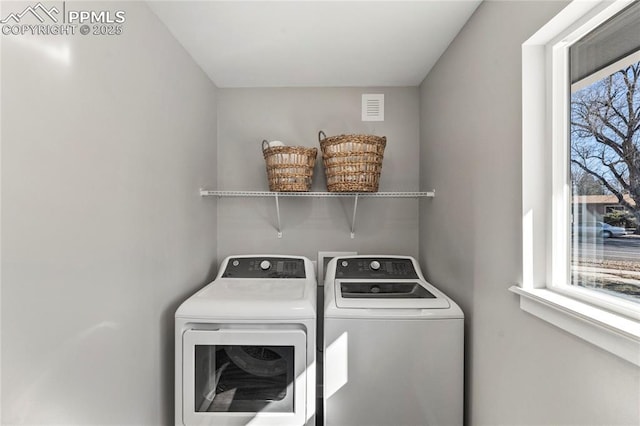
[39, 19]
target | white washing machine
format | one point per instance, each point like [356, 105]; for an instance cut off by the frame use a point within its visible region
[393, 346]
[245, 345]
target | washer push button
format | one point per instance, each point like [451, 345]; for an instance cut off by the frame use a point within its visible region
[265, 265]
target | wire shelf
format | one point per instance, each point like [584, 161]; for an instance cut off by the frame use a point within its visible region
[355, 195]
[401, 194]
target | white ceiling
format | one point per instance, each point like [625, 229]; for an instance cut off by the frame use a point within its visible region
[315, 43]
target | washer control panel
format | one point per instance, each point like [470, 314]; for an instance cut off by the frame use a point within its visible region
[378, 267]
[264, 267]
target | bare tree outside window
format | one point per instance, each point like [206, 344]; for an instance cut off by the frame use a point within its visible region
[605, 135]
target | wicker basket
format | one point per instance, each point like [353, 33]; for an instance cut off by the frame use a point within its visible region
[352, 163]
[289, 168]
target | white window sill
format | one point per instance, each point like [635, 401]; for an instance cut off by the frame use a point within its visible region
[612, 332]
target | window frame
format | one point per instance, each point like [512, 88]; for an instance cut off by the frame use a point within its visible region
[545, 290]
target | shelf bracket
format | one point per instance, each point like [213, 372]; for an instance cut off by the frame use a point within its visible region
[353, 218]
[279, 228]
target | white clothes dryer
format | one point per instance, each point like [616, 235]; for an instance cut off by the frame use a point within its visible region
[393, 346]
[245, 345]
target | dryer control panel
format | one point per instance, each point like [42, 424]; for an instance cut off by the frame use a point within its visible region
[264, 267]
[376, 268]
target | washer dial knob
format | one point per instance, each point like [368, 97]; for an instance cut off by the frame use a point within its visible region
[265, 264]
[374, 265]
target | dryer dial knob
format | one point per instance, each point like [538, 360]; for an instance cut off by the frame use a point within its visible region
[374, 265]
[265, 264]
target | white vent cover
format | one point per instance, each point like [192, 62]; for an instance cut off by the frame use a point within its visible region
[372, 107]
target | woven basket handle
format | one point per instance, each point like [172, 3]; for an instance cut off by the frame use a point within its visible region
[321, 136]
[265, 144]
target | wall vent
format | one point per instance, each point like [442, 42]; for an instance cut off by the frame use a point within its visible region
[372, 107]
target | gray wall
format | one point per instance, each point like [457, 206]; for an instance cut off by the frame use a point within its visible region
[520, 370]
[104, 233]
[104, 148]
[294, 116]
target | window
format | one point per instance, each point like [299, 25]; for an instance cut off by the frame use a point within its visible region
[579, 71]
[613, 209]
[604, 157]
